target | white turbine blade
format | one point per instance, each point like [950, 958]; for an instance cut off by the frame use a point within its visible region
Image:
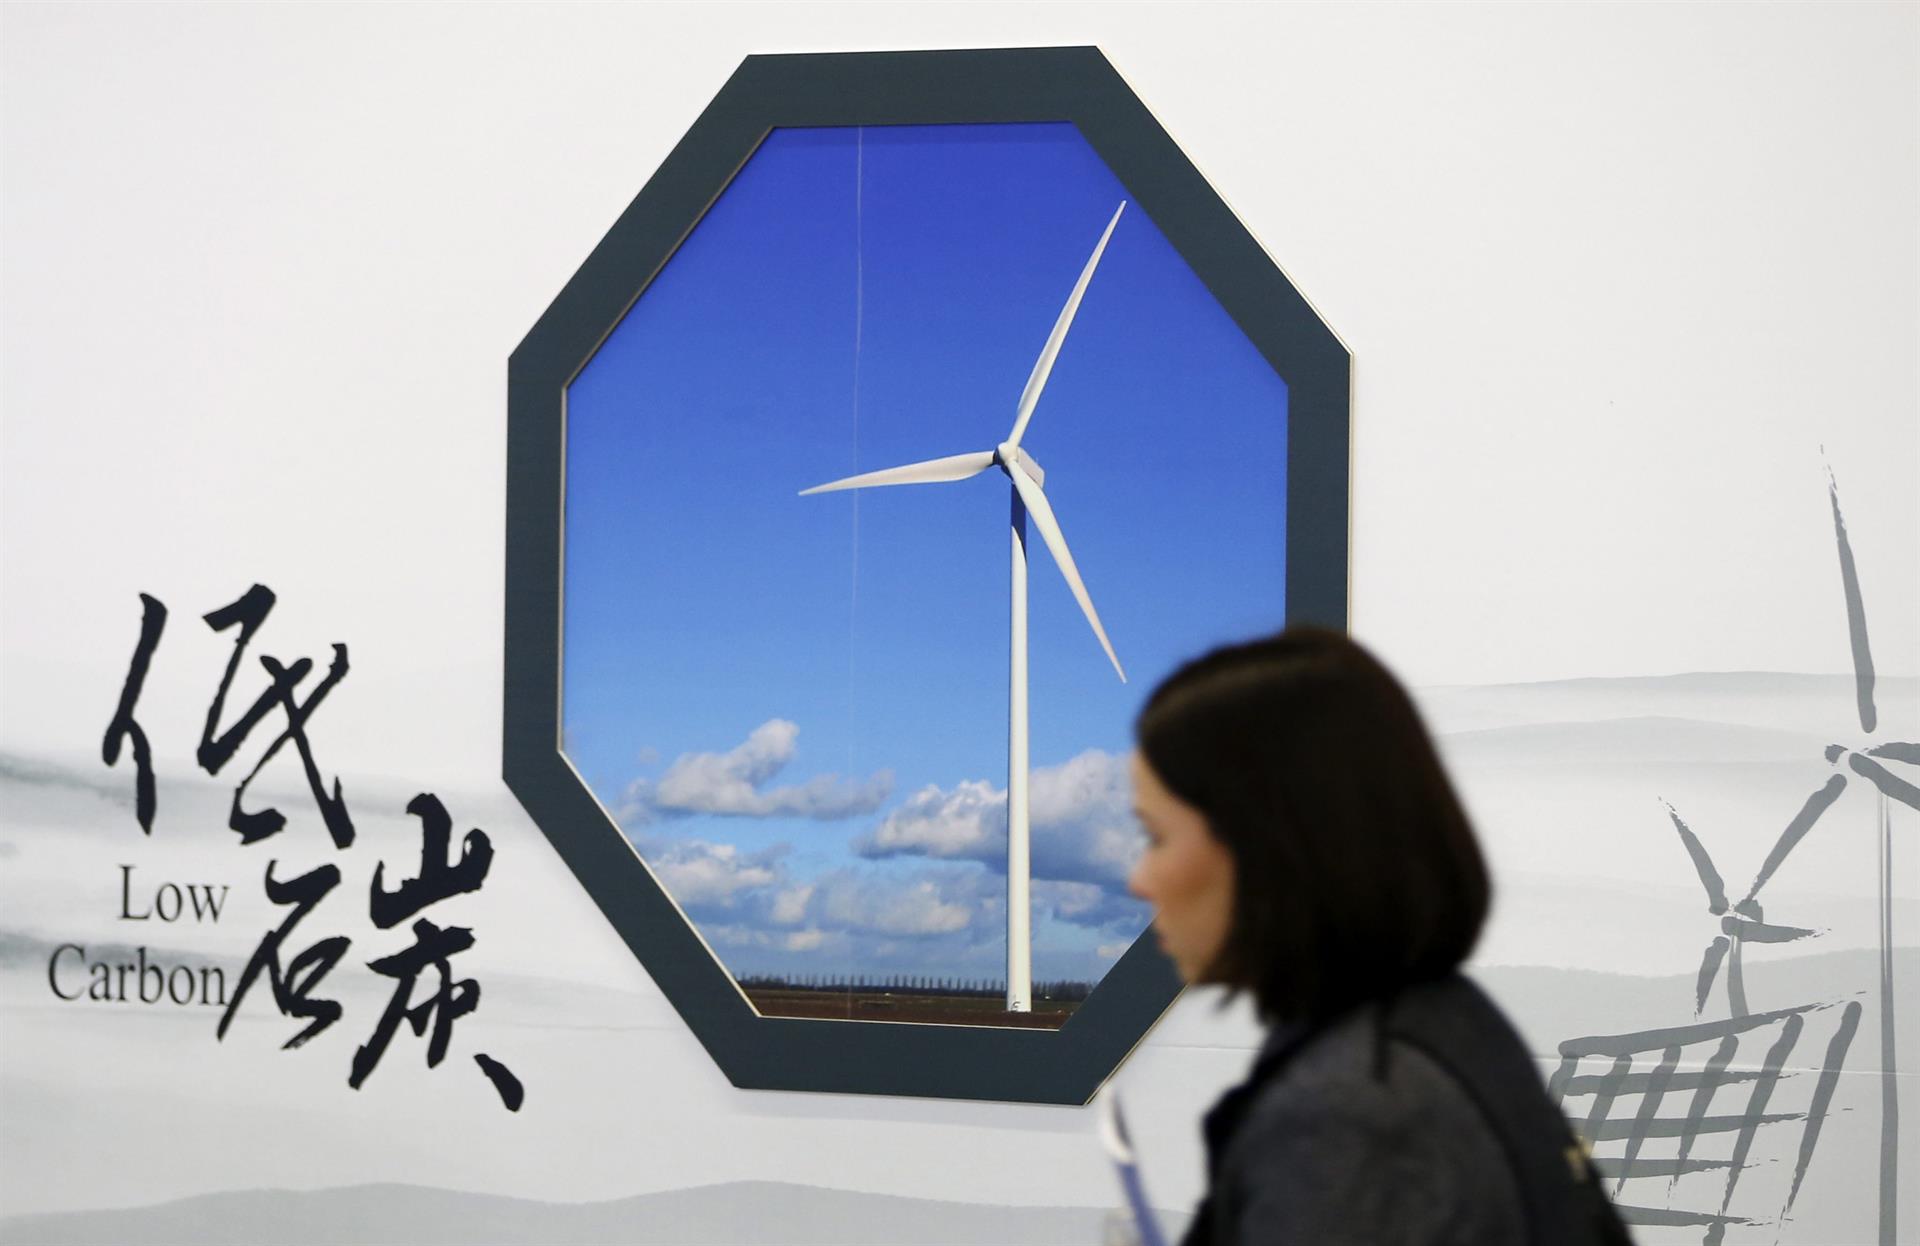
[933, 471]
[1043, 519]
[1043, 366]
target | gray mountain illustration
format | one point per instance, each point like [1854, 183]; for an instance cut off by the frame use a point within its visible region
[715, 1215]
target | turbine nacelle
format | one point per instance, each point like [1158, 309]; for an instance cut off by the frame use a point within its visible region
[1006, 452]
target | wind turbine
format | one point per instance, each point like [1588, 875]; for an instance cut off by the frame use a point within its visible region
[1026, 478]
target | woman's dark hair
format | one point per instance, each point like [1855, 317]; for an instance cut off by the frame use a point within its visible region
[1356, 872]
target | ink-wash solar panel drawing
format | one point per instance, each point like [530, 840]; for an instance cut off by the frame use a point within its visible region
[1709, 1127]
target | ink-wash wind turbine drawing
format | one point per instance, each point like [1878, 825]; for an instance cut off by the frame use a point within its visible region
[1026, 478]
[1743, 922]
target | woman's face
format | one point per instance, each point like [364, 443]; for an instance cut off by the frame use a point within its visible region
[1185, 874]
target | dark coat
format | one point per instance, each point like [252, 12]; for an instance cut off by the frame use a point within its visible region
[1419, 1121]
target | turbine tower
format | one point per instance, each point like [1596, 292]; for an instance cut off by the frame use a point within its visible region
[1028, 501]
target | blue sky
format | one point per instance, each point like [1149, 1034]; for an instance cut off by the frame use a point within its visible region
[798, 706]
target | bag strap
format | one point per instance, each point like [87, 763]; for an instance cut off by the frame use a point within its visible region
[1460, 1030]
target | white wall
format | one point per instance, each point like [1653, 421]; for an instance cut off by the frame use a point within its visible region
[1621, 284]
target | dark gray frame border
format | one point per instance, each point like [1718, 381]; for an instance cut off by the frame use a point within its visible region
[1066, 1066]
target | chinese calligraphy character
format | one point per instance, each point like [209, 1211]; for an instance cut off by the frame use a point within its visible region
[294, 983]
[153, 619]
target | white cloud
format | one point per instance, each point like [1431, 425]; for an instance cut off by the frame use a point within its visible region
[1068, 900]
[868, 904]
[733, 784]
[930, 904]
[935, 918]
[1083, 824]
[966, 822]
[789, 907]
[698, 874]
[804, 940]
[750, 899]
[723, 934]
[742, 936]
[1084, 842]
[1089, 905]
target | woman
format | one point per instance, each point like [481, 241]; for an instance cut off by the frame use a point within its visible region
[1304, 846]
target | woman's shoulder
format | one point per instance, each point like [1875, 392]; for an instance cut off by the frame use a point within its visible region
[1360, 1126]
[1361, 1077]
[1432, 1064]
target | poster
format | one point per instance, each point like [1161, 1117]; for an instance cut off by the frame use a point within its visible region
[1631, 314]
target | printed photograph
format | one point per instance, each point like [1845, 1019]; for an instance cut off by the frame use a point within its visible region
[921, 461]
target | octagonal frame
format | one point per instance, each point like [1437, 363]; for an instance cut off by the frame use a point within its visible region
[1074, 84]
